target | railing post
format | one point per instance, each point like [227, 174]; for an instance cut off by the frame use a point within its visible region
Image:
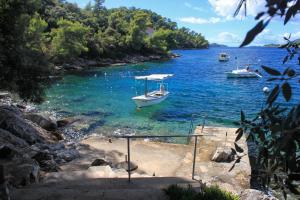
[194, 159]
[128, 162]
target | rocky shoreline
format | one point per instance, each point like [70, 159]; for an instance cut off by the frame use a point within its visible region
[30, 145]
[81, 63]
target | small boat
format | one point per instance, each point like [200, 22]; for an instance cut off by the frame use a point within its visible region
[156, 96]
[243, 73]
[223, 57]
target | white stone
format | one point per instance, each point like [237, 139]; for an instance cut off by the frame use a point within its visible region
[101, 171]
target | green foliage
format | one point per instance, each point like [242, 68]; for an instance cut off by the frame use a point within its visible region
[161, 39]
[24, 68]
[69, 40]
[109, 42]
[136, 37]
[208, 193]
[189, 39]
[35, 34]
[175, 192]
[276, 129]
[98, 6]
[214, 192]
[120, 31]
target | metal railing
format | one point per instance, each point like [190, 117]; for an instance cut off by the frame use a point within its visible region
[128, 137]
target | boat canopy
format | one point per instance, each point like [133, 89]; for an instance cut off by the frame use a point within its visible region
[154, 77]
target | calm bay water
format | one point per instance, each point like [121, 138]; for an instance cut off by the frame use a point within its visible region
[199, 86]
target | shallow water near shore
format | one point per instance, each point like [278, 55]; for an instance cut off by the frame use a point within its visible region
[102, 96]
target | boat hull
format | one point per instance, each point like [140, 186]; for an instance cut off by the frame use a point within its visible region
[143, 101]
[242, 73]
[223, 59]
[249, 75]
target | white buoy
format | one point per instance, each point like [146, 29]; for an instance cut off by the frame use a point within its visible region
[266, 90]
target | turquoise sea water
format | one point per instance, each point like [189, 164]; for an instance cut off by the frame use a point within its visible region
[199, 86]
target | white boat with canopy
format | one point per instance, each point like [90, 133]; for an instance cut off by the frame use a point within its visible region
[156, 96]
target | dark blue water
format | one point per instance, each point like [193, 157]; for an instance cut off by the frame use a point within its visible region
[199, 86]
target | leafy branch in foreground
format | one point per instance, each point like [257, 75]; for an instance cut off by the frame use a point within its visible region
[276, 129]
[284, 9]
[276, 132]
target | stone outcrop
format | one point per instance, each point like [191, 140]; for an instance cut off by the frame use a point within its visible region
[43, 121]
[124, 165]
[46, 161]
[7, 151]
[26, 148]
[63, 122]
[251, 194]
[11, 119]
[8, 138]
[100, 162]
[18, 167]
[101, 171]
[223, 154]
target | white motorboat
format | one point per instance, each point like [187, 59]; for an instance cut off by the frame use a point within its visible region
[243, 73]
[156, 96]
[223, 57]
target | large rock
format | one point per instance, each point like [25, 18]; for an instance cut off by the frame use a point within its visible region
[46, 161]
[22, 171]
[8, 138]
[7, 151]
[101, 171]
[11, 119]
[223, 154]
[67, 154]
[100, 162]
[12, 109]
[124, 165]
[63, 122]
[43, 121]
[251, 194]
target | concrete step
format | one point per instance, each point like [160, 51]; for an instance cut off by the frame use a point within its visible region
[104, 188]
[91, 173]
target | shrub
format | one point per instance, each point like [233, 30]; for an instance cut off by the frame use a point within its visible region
[176, 192]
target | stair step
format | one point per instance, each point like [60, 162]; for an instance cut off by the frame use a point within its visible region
[91, 173]
[112, 194]
[103, 188]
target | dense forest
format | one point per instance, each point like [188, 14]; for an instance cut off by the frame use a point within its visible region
[34, 34]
